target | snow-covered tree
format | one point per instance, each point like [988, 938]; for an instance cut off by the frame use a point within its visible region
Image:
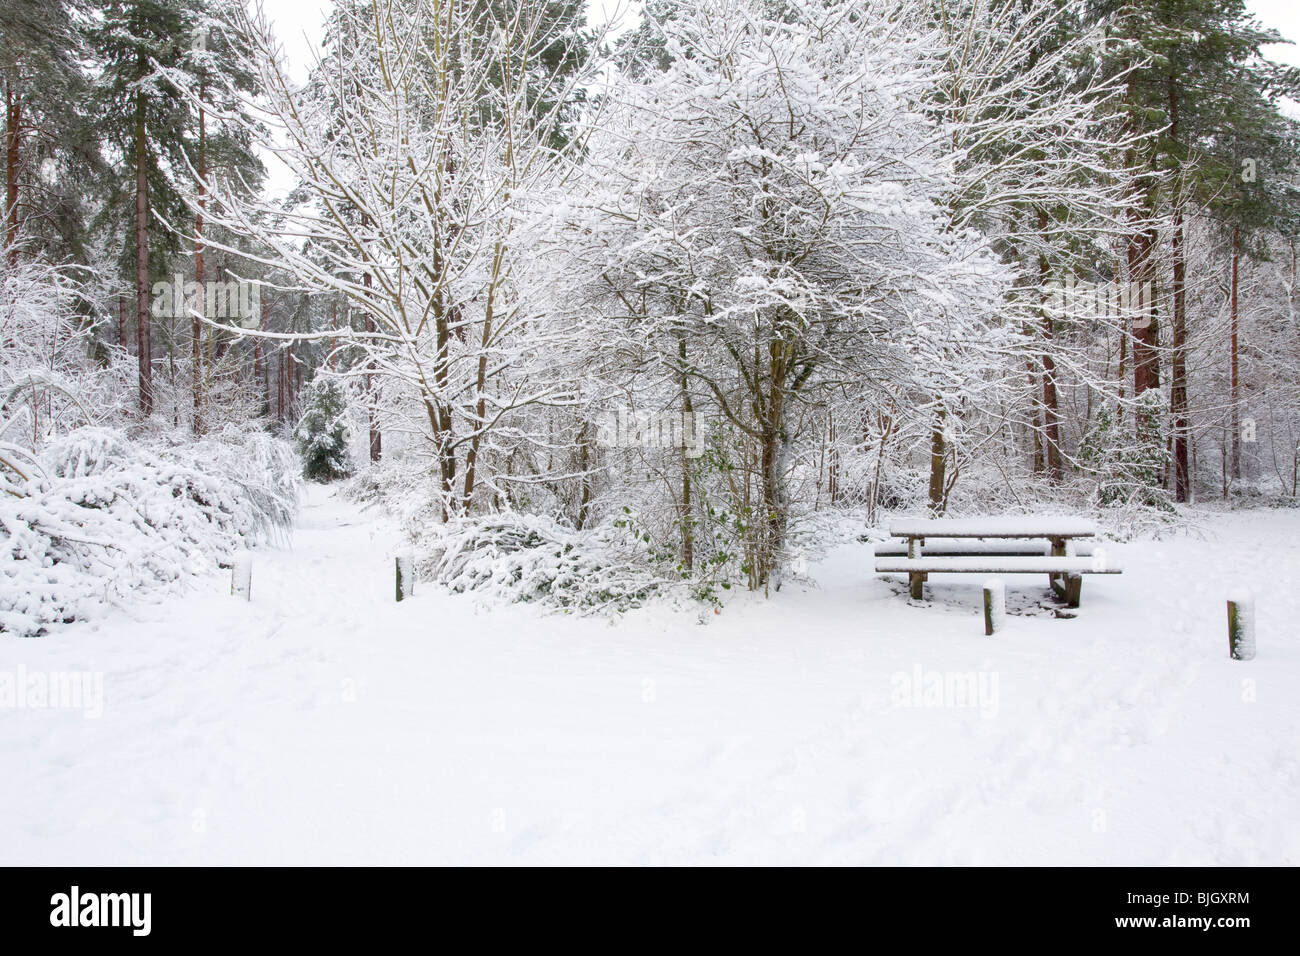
[415, 142]
[760, 227]
[324, 432]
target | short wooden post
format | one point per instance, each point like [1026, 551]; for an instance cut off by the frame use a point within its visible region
[405, 564]
[1073, 588]
[1241, 627]
[241, 577]
[995, 606]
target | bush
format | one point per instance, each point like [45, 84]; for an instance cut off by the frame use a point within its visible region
[104, 516]
[324, 432]
[1129, 469]
[530, 558]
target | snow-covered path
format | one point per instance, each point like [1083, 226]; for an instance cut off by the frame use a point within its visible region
[325, 723]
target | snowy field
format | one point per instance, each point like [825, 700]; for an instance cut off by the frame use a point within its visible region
[324, 723]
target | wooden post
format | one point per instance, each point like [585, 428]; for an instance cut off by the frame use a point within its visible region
[995, 605]
[1241, 627]
[405, 563]
[241, 577]
[1073, 589]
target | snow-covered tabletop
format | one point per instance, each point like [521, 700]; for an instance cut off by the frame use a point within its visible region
[1003, 527]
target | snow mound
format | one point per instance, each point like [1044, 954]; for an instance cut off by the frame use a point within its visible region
[535, 559]
[106, 515]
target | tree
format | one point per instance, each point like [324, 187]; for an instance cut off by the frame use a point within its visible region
[135, 41]
[51, 152]
[764, 213]
[1032, 132]
[323, 433]
[415, 144]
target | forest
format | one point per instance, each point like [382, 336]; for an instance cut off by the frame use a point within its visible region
[602, 313]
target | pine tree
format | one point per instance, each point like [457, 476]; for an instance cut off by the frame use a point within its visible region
[323, 433]
[51, 154]
[1200, 86]
[214, 71]
[135, 42]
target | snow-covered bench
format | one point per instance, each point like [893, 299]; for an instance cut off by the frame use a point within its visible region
[995, 546]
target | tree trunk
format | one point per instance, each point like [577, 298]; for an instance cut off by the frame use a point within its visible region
[1146, 361]
[196, 329]
[1178, 357]
[1051, 410]
[1178, 366]
[938, 463]
[13, 140]
[372, 410]
[688, 418]
[1234, 397]
[142, 317]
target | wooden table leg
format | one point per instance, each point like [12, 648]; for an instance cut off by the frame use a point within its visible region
[1054, 581]
[914, 578]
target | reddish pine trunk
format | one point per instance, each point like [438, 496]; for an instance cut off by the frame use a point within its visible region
[259, 369]
[196, 328]
[1178, 383]
[279, 387]
[1235, 388]
[142, 318]
[1178, 369]
[1141, 261]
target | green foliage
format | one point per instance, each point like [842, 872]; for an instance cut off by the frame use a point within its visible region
[323, 433]
[1129, 470]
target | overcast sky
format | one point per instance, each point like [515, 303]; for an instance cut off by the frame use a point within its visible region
[298, 24]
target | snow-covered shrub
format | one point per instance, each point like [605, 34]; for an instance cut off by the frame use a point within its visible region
[54, 376]
[1128, 470]
[105, 515]
[324, 431]
[530, 558]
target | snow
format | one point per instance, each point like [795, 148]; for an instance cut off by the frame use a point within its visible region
[323, 722]
[1010, 526]
[962, 546]
[1001, 564]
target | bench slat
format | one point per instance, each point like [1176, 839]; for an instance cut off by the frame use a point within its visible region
[1010, 527]
[959, 547]
[995, 564]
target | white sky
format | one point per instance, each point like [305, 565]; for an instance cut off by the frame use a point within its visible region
[298, 23]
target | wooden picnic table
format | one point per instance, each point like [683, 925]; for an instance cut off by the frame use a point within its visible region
[1063, 569]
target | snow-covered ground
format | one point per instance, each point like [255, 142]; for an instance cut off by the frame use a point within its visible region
[326, 723]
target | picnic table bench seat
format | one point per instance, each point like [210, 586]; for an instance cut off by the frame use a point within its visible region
[958, 547]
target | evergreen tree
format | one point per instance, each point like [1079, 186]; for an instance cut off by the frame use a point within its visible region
[323, 433]
[1200, 86]
[145, 119]
[51, 154]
